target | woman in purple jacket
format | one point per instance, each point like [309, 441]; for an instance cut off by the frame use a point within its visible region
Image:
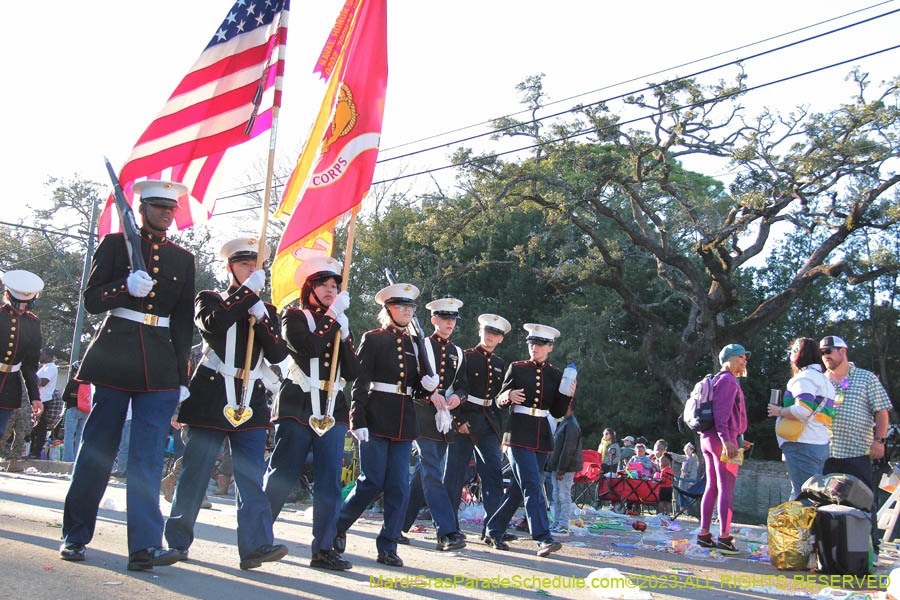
[730, 416]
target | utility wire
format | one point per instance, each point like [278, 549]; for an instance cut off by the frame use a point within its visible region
[623, 95]
[632, 80]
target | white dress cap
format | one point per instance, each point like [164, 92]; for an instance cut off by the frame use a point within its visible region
[23, 285]
[398, 293]
[165, 193]
[445, 307]
[494, 323]
[541, 334]
[317, 265]
[243, 247]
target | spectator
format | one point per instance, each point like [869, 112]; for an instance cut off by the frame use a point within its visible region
[565, 461]
[810, 399]
[660, 448]
[610, 453]
[725, 437]
[626, 451]
[860, 402]
[666, 477]
[52, 401]
[74, 416]
[689, 465]
[641, 458]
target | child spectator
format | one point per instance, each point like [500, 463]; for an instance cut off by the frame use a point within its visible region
[642, 458]
[659, 449]
[565, 461]
[666, 474]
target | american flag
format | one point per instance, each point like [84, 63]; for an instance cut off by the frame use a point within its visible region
[226, 98]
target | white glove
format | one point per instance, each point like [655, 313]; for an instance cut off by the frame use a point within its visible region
[258, 310]
[430, 382]
[139, 284]
[344, 322]
[443, 420]
[183, 393]
[361, 434]
[341, 303]
[256, 281]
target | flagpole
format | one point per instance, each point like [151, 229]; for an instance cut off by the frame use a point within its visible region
[348, 256]
[261, 244]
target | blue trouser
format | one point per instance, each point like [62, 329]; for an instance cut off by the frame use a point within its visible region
[803, 461]
[427, 487]
[248, 449]
[488, 463]
[4, 419]
[384, 467]
[151, 413]
[292, 443]
[74, 425]
[528, 473]
[860, 466]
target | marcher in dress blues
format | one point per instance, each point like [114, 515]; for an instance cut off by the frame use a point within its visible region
[383, 419]
[531, 391]
[304, 417]
[139, 357]
[213, 410]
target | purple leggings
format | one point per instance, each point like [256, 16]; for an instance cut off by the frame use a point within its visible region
[720, 478]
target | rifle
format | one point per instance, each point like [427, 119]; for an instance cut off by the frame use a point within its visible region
[129, 226]
[417, 328]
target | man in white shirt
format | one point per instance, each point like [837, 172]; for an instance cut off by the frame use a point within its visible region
[53, 404]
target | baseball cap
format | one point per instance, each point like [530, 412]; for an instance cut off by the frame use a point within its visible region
[832, 341]
[629, 438]
[732, 350]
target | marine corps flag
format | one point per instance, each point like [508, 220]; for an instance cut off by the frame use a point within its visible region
[335, 169]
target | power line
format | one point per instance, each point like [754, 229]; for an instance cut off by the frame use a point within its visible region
[623, 95]
[595, 130]
[756, 43]
[635, 120]
[44, 230]
[643, 89]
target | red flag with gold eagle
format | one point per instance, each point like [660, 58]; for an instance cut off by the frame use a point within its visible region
[343, 142]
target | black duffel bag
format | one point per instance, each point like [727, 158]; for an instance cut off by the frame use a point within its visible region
[837, 488]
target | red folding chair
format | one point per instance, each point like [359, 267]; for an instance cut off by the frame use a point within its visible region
[585, 489]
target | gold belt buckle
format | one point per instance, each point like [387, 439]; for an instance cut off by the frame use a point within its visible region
[241, 374]
[5, 368]
[150, 319]
[534, 410]
[487, 403]
[400, 389]
[323, 385]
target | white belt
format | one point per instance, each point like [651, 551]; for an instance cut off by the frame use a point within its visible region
[213, 362]
[296, 374]
[479, 401]
[534, 412]
[390, 388]
[7, 368]
[139, 317]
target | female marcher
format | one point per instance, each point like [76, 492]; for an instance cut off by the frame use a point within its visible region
[725, 437]
[809, 399]
[610, 453]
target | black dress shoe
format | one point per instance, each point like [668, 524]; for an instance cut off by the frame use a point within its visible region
[181, 553]
[547, 546]
[329, 559]
[71, 551]
[389, 558]
[495, 543]
[458, 536]
[264, 554]
[510, 537]
[403, 540]
[449, 543]
[340, 542]
[146, 559]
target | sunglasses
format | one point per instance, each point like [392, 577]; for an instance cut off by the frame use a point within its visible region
[827, 351]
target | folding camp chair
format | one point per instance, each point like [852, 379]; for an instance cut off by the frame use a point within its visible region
[689, 498]
[585, 489]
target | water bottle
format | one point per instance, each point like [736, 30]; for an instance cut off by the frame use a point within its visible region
[569, 375]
